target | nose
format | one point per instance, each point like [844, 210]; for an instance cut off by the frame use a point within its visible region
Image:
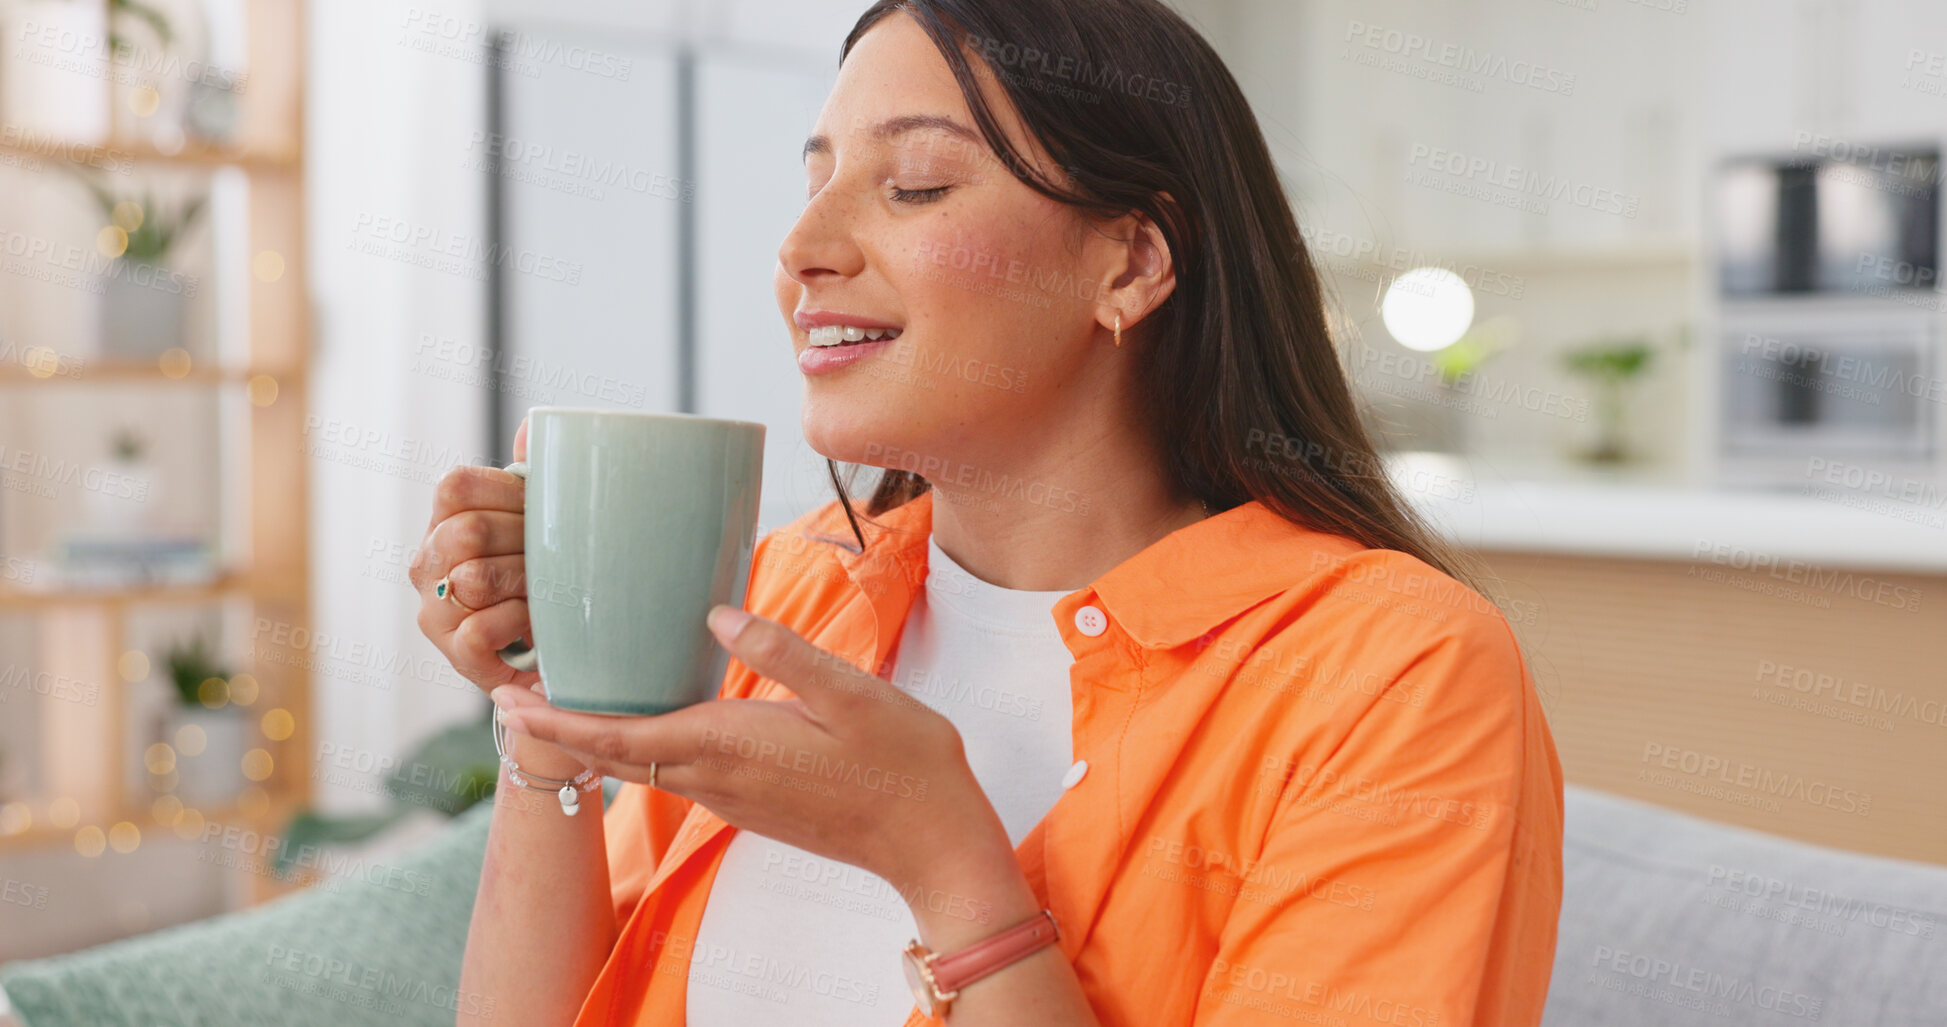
[820, 247]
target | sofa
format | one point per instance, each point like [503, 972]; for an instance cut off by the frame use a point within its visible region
[1667, 921]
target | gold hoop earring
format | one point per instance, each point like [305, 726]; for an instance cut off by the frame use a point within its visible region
[1118, 329]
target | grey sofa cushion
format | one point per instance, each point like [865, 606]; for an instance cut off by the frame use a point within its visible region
[1672, 921]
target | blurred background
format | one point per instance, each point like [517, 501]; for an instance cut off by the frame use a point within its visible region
[1643, 297]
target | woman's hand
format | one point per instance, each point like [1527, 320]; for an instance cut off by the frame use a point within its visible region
[851, 769]
[476, 541]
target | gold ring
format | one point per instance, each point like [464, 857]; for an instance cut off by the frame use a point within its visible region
[652, 775]
[444, 590]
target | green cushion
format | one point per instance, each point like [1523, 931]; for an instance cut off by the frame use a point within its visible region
[383, 952]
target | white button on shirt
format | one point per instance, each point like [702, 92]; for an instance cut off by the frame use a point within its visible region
[792, 938]
[1091, 621]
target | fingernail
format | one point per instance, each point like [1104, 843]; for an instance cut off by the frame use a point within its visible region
[503, 697]
[727, 622]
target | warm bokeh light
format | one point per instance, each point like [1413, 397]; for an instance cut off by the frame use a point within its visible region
[263, 390]
[127, 216]
[190, 824]
[175, 362]
[133, 666]
[124, 837]
[213, 693]
[257, 764]
[160, 758]
[1428, 309]
[166, 810]
[268, 266]
[41, 361]
[64, 812]
[243, 689]
[278, 724]
[15, 818]
[190, 740]
[144, 100]
[90, 842]
[111, 241]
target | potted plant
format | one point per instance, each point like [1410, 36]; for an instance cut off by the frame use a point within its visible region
[206, 730]
[1612, 365]
[118, 507]
[142, 299]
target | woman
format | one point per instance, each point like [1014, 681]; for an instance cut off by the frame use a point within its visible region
[1133, 660]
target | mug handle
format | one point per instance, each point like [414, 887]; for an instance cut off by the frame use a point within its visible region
[522, 659]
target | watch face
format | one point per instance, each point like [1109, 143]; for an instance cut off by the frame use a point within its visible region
[916, 980]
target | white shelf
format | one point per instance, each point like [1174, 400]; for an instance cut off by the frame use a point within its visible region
[1577, 512]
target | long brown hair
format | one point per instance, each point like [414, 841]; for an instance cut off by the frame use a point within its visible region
[1246, 393]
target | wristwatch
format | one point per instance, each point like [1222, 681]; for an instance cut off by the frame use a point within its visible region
[936, 980]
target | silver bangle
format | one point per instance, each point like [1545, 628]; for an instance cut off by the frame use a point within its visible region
[567, 789]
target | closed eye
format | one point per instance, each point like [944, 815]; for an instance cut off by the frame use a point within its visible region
[918, 195]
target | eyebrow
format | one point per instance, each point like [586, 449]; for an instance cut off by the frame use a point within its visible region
[893, 127]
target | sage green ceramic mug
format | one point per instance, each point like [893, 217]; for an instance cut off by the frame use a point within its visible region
[636, 525]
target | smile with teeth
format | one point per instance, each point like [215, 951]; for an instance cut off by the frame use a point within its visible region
[839, 335]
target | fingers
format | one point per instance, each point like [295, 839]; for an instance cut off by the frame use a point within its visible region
[621, 747]
[467, 487]
[477, 638]
[774, 651]
[467, 535]
[520, 441]
[486, 580]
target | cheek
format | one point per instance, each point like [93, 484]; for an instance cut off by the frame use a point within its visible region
[982, 275]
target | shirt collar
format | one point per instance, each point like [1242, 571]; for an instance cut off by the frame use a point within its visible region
[1177, 589]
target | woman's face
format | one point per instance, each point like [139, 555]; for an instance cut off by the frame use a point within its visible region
[913, 227]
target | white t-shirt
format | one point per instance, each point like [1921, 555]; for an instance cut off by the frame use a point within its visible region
[792, 938]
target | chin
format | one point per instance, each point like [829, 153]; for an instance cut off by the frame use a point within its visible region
[860, 430]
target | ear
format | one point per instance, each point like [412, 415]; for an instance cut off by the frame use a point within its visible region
[1141, 270]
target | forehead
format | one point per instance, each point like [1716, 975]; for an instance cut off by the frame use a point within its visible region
[895, 87]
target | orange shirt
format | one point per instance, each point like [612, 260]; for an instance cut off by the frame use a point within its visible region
[1320, 789]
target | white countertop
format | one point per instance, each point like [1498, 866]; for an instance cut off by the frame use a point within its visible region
[1483, 507]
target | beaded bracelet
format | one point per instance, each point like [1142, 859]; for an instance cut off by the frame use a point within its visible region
[568, 789]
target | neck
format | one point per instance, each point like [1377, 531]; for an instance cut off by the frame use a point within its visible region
[1078, 511]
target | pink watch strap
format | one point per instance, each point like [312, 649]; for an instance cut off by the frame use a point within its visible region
[951, 973]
